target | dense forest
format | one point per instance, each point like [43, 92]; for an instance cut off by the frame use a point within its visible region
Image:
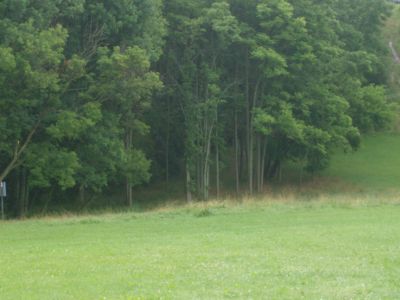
[99, 97]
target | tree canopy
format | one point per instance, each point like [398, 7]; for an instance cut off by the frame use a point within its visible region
[107, 95]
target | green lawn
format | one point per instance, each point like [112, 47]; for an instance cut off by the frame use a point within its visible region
[263, 251]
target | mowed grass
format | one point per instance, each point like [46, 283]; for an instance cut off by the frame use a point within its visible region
[265, 250]
[374, 167]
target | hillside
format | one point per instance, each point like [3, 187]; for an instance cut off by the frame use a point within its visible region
[391, 34]
[374, 167]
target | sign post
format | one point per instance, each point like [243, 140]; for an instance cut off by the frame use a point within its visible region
[3, 193]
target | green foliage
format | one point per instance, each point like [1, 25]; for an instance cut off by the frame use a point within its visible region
[222, 22]
[53, 102]
[125, 86]
[48, 165]
[101, 154]
[124, 78]
[72, 124]
[31, 89]
[94, 92]
[136, 167]
[263, 122]
[371, 111]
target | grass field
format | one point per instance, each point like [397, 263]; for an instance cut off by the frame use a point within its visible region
[374, 167]
[372, 170]
[265, 250]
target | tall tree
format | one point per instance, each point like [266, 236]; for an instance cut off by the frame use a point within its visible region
[125, 86]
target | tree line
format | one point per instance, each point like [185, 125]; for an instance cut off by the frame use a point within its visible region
[99, 95]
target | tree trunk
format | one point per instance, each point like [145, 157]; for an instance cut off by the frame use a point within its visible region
[264, 154]
[217, 157]
[81, 194]
[251, 136]
[23, 194]
[48, 198]
[206, 167]
[258, 163]
[128, 146]
[27, 194]
[19, 150]
[17, 186]
[188, 184]
[207, 182]
[242, 164]
[280, 171]
[237, 174]
[167, 144]
[129, 194]
[248, 131]
[199, 177]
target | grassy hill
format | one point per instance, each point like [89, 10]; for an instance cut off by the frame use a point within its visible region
[392, 33]
[375, 166]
